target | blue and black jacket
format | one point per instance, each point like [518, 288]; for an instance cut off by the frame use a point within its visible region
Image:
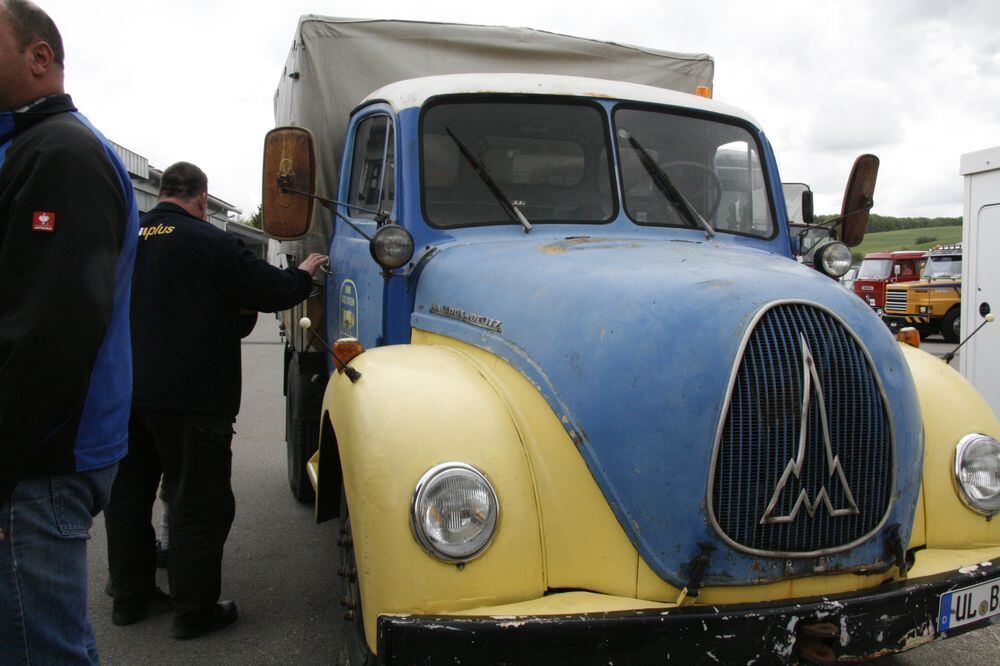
[68, 233]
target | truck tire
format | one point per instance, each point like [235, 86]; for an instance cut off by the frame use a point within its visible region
[303, 400]
[951, 326]
[358, 653]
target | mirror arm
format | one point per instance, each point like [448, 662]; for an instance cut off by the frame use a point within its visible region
[834, 222]
[330, 204]
[830, 224]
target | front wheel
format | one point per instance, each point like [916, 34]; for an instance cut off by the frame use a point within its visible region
[951, 326]
[358, 653]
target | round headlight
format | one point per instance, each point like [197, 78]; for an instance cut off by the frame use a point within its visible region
[455, 512]
[834, 259]
[977, 473]
[391, 246]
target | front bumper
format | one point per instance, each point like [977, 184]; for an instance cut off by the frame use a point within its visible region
[896, 322]
[890, 618]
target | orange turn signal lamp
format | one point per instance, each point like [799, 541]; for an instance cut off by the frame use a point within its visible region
[346, 350]
[703, 91]
[909, 336]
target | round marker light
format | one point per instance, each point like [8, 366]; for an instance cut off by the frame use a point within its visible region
[977, 473]
[834, 259]
[391, 246]
[455, 512]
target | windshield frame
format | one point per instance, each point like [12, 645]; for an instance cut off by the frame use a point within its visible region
[518, 98]
[753, 134]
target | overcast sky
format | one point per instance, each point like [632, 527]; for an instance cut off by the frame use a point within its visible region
[917, 82]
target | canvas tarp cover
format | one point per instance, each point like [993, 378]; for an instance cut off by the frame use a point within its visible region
[335, 63]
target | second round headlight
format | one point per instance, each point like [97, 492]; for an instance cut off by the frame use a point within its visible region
[834, 259]
[977, 473]
[455, 512]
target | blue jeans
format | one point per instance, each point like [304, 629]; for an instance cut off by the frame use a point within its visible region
[43, 568]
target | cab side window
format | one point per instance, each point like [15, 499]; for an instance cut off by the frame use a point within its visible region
[373, 171]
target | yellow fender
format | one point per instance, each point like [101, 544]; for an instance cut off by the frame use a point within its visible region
[951, 409]
[414, 407]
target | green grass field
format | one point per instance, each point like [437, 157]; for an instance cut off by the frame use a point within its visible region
[906, 239]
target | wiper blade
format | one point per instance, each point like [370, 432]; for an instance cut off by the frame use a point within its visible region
[669, 190]
[492, 184]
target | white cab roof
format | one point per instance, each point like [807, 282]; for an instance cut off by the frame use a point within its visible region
[415, 92]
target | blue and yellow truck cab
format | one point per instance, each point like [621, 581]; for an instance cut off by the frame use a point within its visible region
[595, 411]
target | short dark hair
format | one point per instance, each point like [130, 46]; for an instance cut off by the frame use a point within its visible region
[31, 23]
[183, 180]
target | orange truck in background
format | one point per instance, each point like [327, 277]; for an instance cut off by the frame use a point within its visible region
[880, 269]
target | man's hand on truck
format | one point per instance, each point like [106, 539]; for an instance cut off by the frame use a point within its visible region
[312, 262]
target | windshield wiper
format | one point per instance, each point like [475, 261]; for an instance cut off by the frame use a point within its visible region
[669, 190]
[492, 184]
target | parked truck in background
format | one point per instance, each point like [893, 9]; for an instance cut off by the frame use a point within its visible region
[582, 403]
[933, 303]
[880, 269]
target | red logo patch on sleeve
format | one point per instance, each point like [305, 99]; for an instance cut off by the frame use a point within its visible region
[43, 221]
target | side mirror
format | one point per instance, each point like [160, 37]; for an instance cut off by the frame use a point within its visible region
[858, 199]
[897, 269]
[289, 164]
[807, 207]
[798, 203]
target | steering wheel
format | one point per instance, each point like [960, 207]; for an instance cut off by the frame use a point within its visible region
[706, 200]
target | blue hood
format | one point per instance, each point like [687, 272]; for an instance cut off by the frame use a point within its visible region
[633, 343]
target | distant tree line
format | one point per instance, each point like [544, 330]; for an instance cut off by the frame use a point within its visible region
[878, 223]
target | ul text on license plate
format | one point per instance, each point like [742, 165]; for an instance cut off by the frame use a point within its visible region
[970, 604]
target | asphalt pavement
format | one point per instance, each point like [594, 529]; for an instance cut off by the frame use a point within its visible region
[280, 567]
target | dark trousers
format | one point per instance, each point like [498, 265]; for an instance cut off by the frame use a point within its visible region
[194, 456]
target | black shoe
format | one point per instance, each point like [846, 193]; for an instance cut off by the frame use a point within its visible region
[161, 555]
[221, 615]
[123, 614]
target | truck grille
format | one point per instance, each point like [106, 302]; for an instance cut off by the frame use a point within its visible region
[771, 470]
[895, 300]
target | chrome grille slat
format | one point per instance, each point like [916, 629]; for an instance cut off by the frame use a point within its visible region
[895, 300]
[762, 428]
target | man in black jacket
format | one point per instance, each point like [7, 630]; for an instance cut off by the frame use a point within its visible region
[68, 226]
[191, 282]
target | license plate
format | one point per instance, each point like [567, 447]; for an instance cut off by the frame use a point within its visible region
[970, 604]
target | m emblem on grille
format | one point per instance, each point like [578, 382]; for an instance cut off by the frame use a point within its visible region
[811, 388]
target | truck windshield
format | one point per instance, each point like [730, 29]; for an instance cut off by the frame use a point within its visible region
[875, 269]
[550, 158]
[943, 267]
[715, 165]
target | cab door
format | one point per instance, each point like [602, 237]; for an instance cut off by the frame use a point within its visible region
[356, 296]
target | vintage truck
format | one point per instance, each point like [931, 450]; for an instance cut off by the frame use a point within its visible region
[576, 399]
[933, 303]
[880, 269]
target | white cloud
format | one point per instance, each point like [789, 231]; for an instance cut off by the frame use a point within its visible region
[916, 82]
